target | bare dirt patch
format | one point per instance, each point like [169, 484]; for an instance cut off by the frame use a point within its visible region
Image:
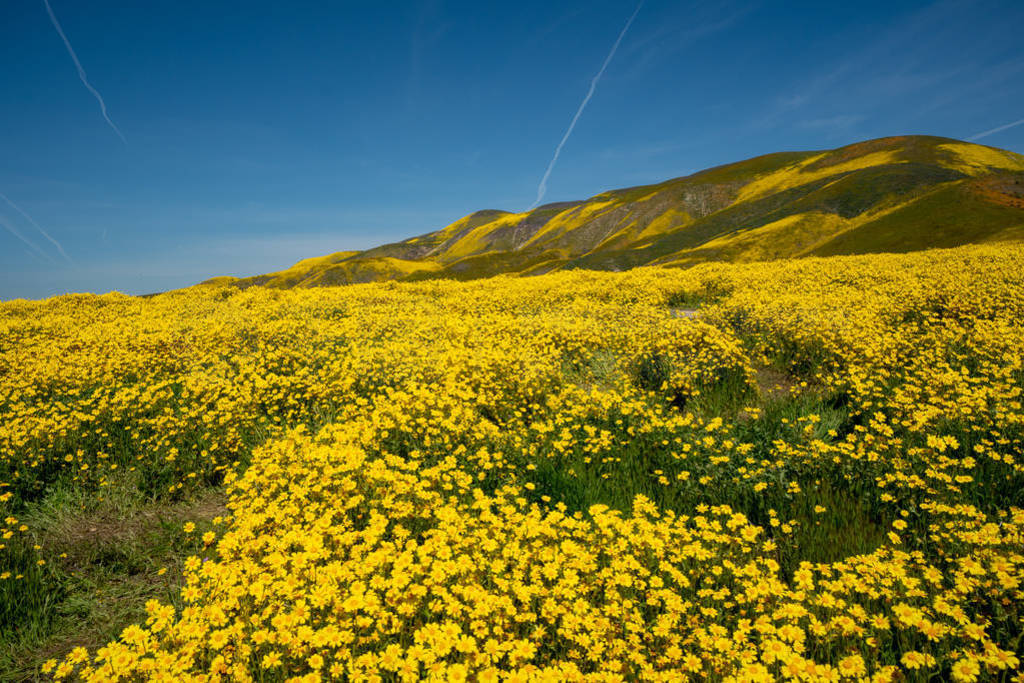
[773, 383]
[684, 313]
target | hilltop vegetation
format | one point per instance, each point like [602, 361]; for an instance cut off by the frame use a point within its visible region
[803, 469]
[894, 194]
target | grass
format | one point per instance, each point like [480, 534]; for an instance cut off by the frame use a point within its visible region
[30, 593]
[598, 368]
[826, 517]
[829, 519]
[951, 215]
[113, 553]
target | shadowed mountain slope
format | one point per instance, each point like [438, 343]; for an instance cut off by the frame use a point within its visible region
[887, 195]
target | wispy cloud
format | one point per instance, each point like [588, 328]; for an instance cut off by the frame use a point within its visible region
[985, 89]
[427, 32]
[679, 27]
[645, 151]
[543, 187]
[1000, 129]
[27, 242]
[896, 62]
[81, 71]
[32, 221]
[832, 122]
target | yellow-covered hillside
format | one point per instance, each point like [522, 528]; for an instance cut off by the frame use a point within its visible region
[894, 194]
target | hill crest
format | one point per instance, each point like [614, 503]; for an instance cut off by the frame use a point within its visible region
[899, 193]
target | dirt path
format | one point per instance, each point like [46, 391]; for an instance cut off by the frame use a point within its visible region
[684, 313]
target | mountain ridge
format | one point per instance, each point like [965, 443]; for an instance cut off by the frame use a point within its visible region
[899, 193]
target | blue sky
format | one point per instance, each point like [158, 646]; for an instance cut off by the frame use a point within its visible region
[260, 133]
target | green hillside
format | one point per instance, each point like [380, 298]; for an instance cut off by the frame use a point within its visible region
[888, 195]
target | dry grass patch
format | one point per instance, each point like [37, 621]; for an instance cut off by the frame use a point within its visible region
[111, 557]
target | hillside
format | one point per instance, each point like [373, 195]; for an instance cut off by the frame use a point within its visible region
[893, 194]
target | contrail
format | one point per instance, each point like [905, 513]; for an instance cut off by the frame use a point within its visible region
[543, 187]
[29, 243]
[995, 130]
[81, 71]
[37, 227]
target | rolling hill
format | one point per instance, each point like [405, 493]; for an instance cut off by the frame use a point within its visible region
[892, 194]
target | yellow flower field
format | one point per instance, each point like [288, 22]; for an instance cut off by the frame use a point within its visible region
[802, 470]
